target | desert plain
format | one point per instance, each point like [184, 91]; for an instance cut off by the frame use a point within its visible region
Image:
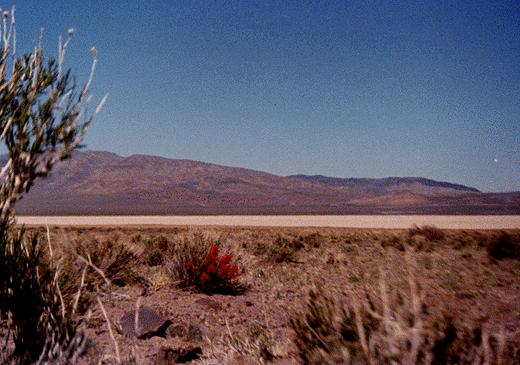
[456, 273]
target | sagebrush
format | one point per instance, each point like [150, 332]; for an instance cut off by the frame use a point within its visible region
[43, 118]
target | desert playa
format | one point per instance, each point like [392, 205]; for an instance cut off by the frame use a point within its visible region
[340, 221]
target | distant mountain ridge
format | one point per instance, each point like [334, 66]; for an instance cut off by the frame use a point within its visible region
[98, 182]
[382, 183]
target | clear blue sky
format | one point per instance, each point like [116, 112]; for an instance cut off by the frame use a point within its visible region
[339, 88]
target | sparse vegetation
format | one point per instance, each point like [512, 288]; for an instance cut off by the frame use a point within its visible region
[430, 233]
[253, 327]
[255, 344]
[390, 330]
[284, 249]
[312, 240]
[393, 241]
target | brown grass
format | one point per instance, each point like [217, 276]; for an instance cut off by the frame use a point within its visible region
[455, 275]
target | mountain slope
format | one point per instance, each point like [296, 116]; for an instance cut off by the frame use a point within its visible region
[95, 182]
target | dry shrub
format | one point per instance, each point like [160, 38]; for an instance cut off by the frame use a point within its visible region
[393, 241]
[195, 249]
[115, 261]
[42, 324]
[389, 329]
[312, 240]
[503, 246]
[322, 333]
[156, 250]
[196, 263]
[431, 233]
[254, 346]
[284, 249]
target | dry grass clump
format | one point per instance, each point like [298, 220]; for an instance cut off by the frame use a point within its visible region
[284, 249]
[156, 249]
[430, 233]
[503, 246]
[41, 324]
[389, 329]
[195, 249]
[312, 240]
[252, 346]
[393, 241]
[113, 261]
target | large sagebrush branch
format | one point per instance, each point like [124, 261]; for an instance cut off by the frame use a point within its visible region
[43, 114]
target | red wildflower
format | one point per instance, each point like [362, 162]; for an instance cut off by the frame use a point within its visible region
[189, 264]
[222, 270]
[224, 260]
[233, 271]
[213, 253]
[204, 277]
[212, 268]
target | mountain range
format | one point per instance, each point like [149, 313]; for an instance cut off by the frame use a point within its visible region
[103, 183]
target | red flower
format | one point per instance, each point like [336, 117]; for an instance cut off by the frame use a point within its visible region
[214, 272]
[224, 260]
[212, 255]
[233, 271]
[222, 270]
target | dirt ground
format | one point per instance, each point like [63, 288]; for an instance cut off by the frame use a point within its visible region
[454, 271]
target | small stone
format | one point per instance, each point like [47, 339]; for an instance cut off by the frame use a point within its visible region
[150, 323]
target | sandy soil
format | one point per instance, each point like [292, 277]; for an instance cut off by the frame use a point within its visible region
[340, 221]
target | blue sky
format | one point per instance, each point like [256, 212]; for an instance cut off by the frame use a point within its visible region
[339, 88]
